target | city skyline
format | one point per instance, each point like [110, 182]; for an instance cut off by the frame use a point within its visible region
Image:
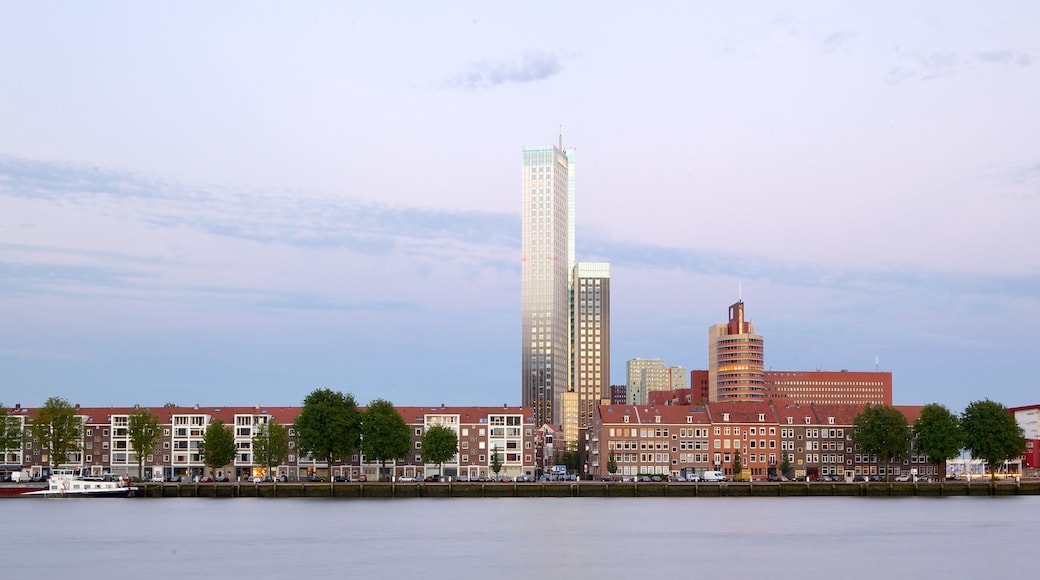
[236, 203]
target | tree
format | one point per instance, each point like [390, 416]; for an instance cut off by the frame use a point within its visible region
[939, 434]
[143, 430]
[218, 445]
[57, 429]
[992, 434]
[496, 461]
[386, 436]
[270, 445]
[571, 458]
[612, 463]
[785, 465]
[10, 433]
[881, 430]
[439, 444]
[738, 464]
[329, 426]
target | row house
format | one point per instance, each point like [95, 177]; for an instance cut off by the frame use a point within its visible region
[679, 440]
[104, 446]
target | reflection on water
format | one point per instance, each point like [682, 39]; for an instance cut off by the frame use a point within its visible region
[520, 537]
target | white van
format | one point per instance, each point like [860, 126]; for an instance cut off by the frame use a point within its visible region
[713, 476]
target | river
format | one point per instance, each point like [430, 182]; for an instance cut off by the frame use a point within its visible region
[805, 537]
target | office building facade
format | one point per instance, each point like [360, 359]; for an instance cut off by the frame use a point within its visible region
[735, 360]
[591, 333]
[547, 255]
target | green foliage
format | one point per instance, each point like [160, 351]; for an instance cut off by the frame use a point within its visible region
[218, 445]
[386, 435]
[938, 433]
[785, 465]
[329, 426]
[10, 433]
[270, 445]
[143, 430]
[439, 444]
[496, 461]
[57, 429]
[992, 434]
[738, 463]
[882, 431]
[612, 463]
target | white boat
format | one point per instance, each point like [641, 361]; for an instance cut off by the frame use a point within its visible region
[71, 485]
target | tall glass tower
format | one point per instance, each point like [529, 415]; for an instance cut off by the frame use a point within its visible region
[590, 315]
[547, 265]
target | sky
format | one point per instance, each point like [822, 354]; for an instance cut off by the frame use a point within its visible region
[233, 203]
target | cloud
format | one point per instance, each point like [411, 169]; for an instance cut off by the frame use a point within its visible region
[306, 220]
[531, 67]
[837, 42]
[807, 275]
[426, 242]
[944, 64]
[925, 66]
[1007, 57]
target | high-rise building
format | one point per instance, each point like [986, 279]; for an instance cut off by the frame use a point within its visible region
[591, 332]
[735, 360]
[645, 376]
[547, 261]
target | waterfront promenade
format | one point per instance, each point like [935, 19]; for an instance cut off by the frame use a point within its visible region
[587, 489]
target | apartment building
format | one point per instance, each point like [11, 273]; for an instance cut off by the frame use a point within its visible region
[104, 447]
[674, 440]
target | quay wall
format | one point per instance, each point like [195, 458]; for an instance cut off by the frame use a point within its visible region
[585, 489]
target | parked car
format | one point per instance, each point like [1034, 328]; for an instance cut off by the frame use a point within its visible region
[315, 478]
[772, 477]
[340, 478]
[524, 478]
[693, 477]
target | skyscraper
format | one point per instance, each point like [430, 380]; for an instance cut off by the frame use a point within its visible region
[590, 315]
[547, 256]
[735, 360]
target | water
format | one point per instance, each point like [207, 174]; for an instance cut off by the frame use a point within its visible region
[819, 537]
